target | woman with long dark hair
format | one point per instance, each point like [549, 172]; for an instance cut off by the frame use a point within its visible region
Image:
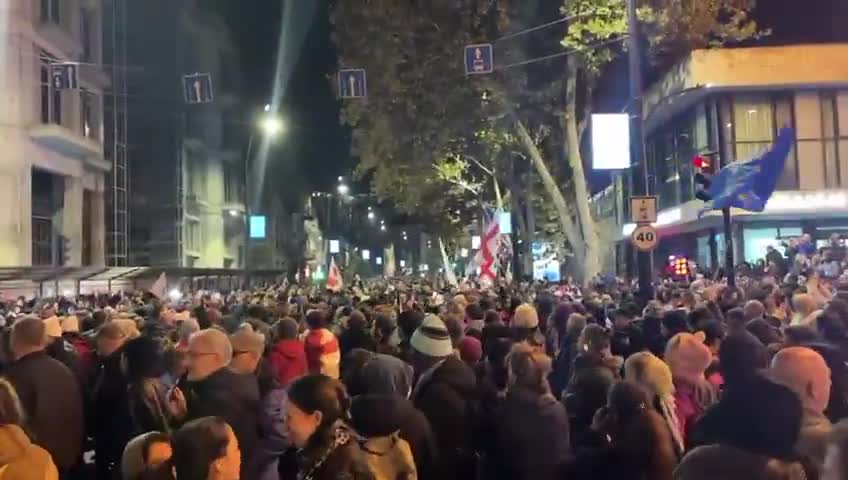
[143, 364]
[318, 422]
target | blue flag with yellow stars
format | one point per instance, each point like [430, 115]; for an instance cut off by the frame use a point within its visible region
[749, 185]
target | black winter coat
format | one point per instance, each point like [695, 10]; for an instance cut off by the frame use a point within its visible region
[233, 397]
[532, 429]
[446, 396]
[51, 398]
[109, 415]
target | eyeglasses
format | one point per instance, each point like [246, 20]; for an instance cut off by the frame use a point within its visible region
[199, 354]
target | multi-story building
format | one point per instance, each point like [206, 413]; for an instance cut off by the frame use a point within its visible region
[733, 101]
[187, 182]
[52, 175]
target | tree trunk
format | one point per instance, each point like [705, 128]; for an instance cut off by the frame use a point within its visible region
[569, 229]
[591, 258]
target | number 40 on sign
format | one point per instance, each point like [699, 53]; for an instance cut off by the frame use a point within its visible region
[644, 238]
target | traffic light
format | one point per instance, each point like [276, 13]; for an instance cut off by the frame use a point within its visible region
[703, 176]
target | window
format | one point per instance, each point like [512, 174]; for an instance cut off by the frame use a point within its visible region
[51, 11]
[42, 245]
[192, 236]
[670, 151]
[51, 98]
[750, 123]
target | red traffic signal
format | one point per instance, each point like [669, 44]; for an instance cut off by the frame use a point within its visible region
[702, 162]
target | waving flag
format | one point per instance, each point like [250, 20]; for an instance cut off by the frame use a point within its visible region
[489, 252]
[749, 185]
[334, 278]
[450, 276]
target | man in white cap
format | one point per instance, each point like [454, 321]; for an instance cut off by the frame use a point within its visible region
[443, 392]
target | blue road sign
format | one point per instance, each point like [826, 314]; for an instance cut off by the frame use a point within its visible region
[65, 76]
[479, 59]
[197, 88]
[352, 83]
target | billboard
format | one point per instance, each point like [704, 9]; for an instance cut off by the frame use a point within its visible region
[257, 227]
[610, 141]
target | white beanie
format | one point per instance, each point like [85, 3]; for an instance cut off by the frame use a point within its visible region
[432, 338]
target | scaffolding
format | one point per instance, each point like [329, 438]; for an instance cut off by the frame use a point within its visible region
[115, 123]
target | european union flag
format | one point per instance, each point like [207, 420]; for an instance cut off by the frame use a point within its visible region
[749, 185]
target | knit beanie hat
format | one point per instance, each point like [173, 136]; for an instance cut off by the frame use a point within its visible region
[687, 356]
[525, 317]
[470, 350]
[432, 338]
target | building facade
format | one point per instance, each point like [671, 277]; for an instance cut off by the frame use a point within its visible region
[733, 101]
[52, 177]
[187, 200]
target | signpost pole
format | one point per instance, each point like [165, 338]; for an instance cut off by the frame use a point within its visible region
[637, 145]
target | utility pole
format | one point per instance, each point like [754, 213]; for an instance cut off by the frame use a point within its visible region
[637, 141]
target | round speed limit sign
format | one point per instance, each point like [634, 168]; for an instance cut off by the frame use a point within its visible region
[644, 238]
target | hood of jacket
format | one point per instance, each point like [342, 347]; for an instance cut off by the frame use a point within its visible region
[289, 349]
[385, 374]
[14, 444]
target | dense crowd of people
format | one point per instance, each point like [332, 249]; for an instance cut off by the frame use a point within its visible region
[406, 380]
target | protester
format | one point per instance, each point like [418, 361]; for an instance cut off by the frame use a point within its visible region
[48, 392]
[206, 449]
[213, 390]
[320, 427]
[356, 334]
[444, 391]
[20, 459]
[379, 421]
[836, 460]
[321, 346]
[110, 420]
[248, 349]
[530, 412]
[633, 441]
[146, 452]
[688, 359]
[143, 365]
[288, 355]
[593, 373]
[806, 373]
[654, 375]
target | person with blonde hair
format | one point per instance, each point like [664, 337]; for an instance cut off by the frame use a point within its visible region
[688, 358]
[651, 373]
[530, 412]
[20, 459]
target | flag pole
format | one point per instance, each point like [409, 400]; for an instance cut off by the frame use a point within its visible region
[729, 267]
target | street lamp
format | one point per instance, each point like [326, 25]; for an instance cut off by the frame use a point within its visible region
[271, 125]
[343, 189]
[371, 215]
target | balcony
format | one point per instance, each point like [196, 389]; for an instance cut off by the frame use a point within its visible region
[67, 142]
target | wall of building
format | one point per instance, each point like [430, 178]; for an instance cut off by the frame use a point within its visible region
[66, 150]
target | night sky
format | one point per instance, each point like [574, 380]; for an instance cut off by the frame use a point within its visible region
[316, 151]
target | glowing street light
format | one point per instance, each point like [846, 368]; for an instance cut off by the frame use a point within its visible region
[382, 228]
[371, 216]
[271, 125]
[343, 189]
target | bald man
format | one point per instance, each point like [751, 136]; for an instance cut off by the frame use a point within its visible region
[211, 389]
[805, 372]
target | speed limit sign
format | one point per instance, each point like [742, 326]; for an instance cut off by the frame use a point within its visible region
[644, 238]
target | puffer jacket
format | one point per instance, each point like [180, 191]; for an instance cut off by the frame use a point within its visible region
[20, 459]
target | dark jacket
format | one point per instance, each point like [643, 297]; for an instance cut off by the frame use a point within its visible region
[563, 362]
[356, 338]
[109, 419]
[587, 391]
[626, 342]
[233, 397]
[523, 418]
[51, 398]
[336, 457]
[66, 354]
[379, 415]
[446, 396]
[148, 408]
